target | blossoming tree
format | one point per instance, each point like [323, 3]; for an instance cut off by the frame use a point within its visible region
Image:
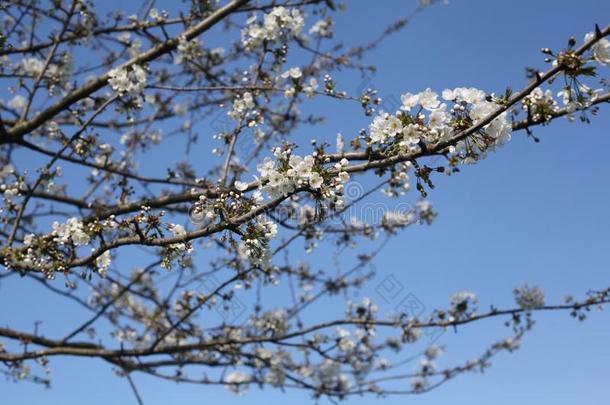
[91, 94]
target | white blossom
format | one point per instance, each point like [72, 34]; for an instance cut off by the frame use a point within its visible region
[129, 80]
[238, 382]
[279, 24]
[529, 297]
[315, 181]
[18, 102]
[409, 101]
[241, 105]
[73, 230]
[601, 49]
[103, 262]
[340, 143]
[428, 99]
[293, 73]
[322, 28]
[241, 186]
[463, 304]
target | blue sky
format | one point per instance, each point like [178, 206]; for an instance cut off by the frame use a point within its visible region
[531, 212]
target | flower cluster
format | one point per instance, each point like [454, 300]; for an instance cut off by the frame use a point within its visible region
[297, 83]
[278, 361]
[31, 66]
[463, 305]
[255, 246]
[180, 250]
[278, 25]
[292, 171]
[427, 368]
[57, 71]
[47, 252]
[540, 105]
[241, 106]
[274, 323]
[529, 297]
[178, 231]
[322, 28]
[127, 81]
[9, 190]
[422, 211]
[397, 219]
[294, 73]
[424, 120]
[398, 183]
[188, 50]
[103, 262]
[576, 98]
[283, 180]
[72, 231]
[329, 377]
[238, 382]
[202, 213]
